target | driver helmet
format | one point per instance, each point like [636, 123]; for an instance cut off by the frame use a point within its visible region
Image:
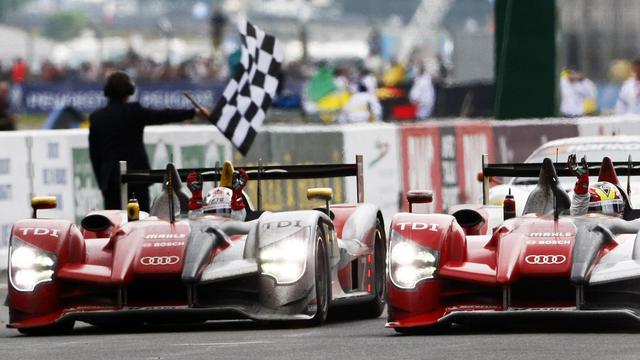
[605, 198]
[218, 201]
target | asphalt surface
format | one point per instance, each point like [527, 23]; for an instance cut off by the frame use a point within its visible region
[338, 339]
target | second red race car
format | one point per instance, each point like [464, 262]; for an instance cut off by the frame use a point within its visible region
[472, 265]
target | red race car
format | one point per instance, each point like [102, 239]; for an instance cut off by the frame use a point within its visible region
[474, 265]
[183, 264]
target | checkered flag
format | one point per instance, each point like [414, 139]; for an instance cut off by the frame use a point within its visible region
[244, 103]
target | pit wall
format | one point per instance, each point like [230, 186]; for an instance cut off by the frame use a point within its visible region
[442, 155]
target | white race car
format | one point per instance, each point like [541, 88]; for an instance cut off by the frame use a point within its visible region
[618, 148]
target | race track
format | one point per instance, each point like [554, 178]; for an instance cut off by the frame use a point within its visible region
[354, 339]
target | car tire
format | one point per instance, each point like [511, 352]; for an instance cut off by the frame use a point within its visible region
[60, 328]
[322, 280]
[375, 307]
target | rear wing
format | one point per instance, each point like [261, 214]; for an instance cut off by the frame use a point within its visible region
[623, 168]
[257, 173]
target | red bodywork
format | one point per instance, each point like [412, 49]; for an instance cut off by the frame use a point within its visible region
[87, 265]
[473, 271]
[92, 267]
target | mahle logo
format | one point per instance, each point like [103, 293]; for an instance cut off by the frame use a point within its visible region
[549, 234]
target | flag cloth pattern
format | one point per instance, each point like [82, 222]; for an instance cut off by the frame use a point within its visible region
[244, 103]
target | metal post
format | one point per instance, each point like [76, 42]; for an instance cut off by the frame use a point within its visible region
[629, 168]
[216, 174]
[485, 180]
[259, 191]
[170, 192]
[360, 179]
[30, 169]
[124, 188]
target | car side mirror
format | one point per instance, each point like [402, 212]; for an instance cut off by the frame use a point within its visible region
[325, 194]
[419, 197]
[42, 202]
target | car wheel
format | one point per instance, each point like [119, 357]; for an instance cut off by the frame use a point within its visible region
[55, 329]
[374, 307]
[321, 275]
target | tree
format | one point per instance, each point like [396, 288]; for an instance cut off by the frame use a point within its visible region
[65, 25]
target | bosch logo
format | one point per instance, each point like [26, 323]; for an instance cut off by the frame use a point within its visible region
[159, 260]
[163, 244]
[545, 259]
[548, 242]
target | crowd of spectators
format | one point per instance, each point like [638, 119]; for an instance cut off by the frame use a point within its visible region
[365, 90]
[362, 89]
[142, 69]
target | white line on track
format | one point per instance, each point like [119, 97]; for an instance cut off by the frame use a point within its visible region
[225, 343]
[304, 334]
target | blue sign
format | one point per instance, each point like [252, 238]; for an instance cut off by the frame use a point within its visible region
[88, 97]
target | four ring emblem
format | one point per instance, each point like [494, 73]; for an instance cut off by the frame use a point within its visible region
[545, 259]
[159, 260]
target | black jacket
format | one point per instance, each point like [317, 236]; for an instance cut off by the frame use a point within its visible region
[115, 134]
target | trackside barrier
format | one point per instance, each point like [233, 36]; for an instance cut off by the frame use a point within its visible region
[443, 155]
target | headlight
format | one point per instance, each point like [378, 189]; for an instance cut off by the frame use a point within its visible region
[410, 263]
[29, 266]
[286, 259]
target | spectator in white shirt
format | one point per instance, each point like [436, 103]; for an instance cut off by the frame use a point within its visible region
[578, 94]
[369, 81]
[363, 106]
[629, 97]
[422, 94]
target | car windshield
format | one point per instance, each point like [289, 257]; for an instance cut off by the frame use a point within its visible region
[594, 152]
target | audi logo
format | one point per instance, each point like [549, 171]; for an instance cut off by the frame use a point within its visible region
[545, 259]
[159, 260]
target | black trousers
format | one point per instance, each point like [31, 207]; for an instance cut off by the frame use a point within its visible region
[112, 197]
[7, 127]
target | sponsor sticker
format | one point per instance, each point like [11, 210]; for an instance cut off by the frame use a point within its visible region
[545, 259]
[549, 234]
[282, 224]
[165, 236]
[159, 260]
[162, 244]
[543, 309]
[39, 231]
[548, 242]
[418, 226]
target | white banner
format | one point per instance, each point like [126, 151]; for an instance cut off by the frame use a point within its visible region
[53, 171]
[612, 125]
[381, 160]
[14, 186]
